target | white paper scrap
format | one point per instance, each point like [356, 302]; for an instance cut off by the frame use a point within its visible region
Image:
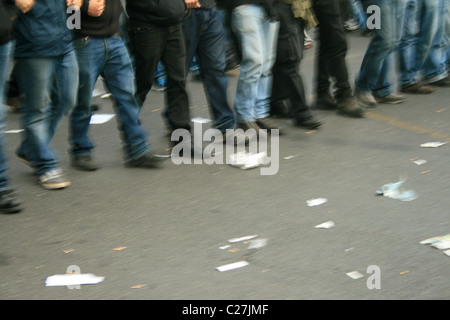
[355, 275]
[326, 225]
[447, 252]
[316, 202]
[101, 118]
[432, 144]
[442, 245]
[200, 120]
[72, 279]
[242, 238]
[288, 157]
[15, 131]
[420, 162]
[257, 243]
[232, 266]
[435, 239]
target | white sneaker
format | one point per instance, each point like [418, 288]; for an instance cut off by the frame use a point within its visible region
[365, 99]
[53, 179]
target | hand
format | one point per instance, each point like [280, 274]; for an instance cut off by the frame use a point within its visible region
[24, 5]
[191, 4]
[96, 8]
[76, 3]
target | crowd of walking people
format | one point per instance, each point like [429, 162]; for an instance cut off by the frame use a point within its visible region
[56, 65]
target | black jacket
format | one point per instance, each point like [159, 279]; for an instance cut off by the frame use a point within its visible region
[8, 14]
[104, 26]
[159, 12]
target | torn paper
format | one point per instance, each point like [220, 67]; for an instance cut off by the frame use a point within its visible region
[72, 279]
[246, 160]
[326, 225]
[242, 239]
[433, 144]
[101, 118]
[316, 202]
[395, 191]
[355, 275]
[232, 266]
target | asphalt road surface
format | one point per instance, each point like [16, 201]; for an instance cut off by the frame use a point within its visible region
[160, 234]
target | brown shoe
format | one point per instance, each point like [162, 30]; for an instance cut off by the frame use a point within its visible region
[417, 88]
[267, 123]
[350, 107]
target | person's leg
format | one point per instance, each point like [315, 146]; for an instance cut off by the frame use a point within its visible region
[246, 23]
[66, 87]
[118, 73]
[177, 112]
[91, 58]
[147, 44]
[212, 59]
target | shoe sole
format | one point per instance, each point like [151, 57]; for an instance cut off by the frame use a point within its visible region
[56, 185]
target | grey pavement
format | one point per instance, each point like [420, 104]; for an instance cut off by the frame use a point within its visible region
[156, 234]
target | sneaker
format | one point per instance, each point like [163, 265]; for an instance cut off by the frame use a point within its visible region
[417, 88]
[54, 179]
[365, 99]
[350, 107]
[391, 99]
[148, 160]
[267, 124]
[8, 202]
[84, 163]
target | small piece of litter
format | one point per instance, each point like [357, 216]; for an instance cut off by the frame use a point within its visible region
[200, 120]
[316, 202]
[234, 250]
[15, 131]
[404, 272]
[436, 239]
[119, 248]
[242, 239]
[68, 251]
[394, 191]
[246, 160]
[257, 244]
[355, 275]
[101, 118]
[349, 249]
[72, 279]
[447, 252]
[138, 286]
[442, 245]
[326, 225]
[426, 171]
[433, 144]
[224, 247]
[232, 266]
[420, 162]
[288, 157]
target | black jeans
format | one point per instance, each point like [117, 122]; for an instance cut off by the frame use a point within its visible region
[332, 48]
[288, 93]
[150, 44]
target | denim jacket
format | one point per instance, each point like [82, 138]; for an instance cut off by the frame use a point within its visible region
[43, 31]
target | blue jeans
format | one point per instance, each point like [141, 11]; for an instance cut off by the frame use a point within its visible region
[204, 37]
[435, 63]
[359, 14]
[49, 86]
[257, 38]
[377, 63]
[107, 57]
[5, 61]
[421, 26]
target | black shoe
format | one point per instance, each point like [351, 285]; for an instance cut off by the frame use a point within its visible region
[84, 163]
[306, 120]
[148, 160]
[325, 102]
[350, 107]
[267, 124]
[9, 203]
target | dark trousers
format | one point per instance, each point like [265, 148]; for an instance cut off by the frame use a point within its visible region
[331, 62]
[205, 39]
[151, 44]
[288, 93]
